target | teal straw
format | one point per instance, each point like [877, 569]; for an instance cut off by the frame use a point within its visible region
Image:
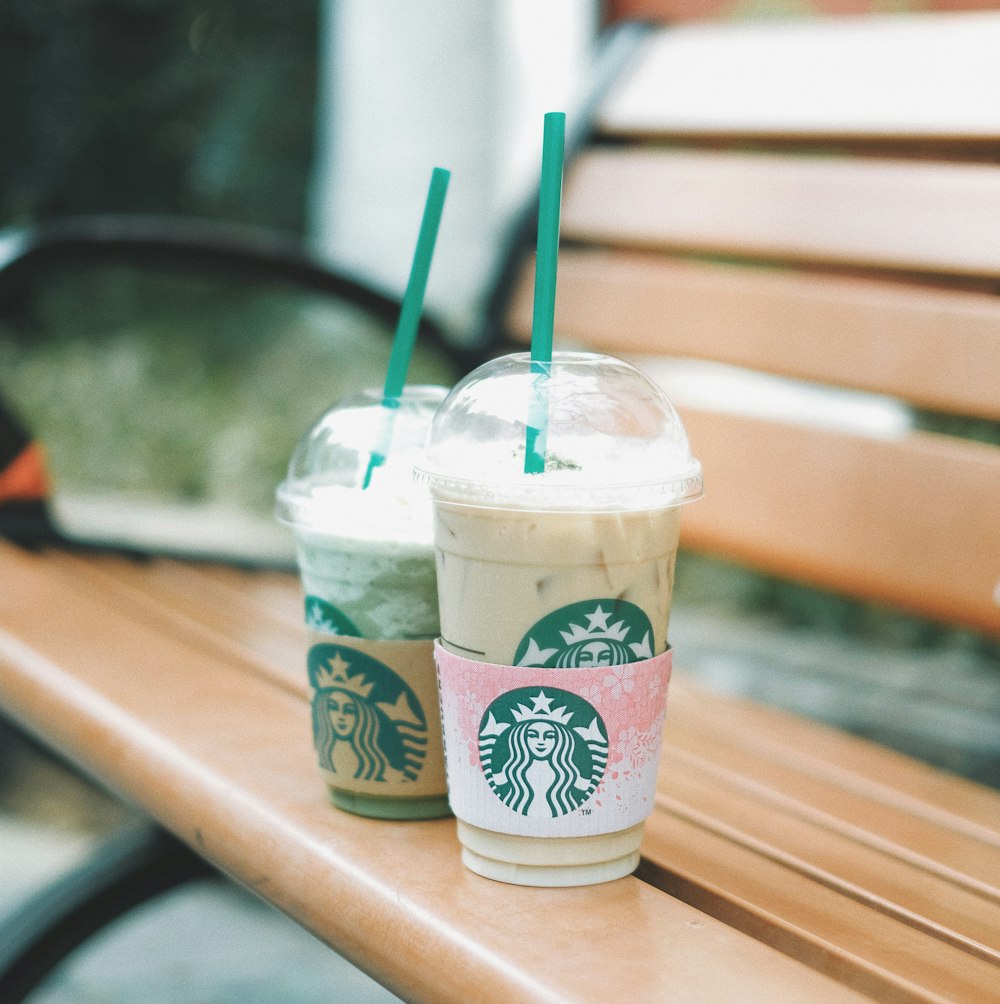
[409, 315]
[543, 316]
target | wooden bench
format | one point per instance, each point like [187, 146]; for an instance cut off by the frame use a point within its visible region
[845, 235]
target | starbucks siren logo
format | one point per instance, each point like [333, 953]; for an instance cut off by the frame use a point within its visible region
[593, 633]
[367, 722]
[536, 760]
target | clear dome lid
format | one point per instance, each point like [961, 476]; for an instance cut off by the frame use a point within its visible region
[356, 441]
[612, 438]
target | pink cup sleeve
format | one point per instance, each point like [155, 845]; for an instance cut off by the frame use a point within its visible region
[552, 752]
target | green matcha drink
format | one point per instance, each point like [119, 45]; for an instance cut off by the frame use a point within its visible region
[366, 586]
[367, 567]
[554, 594]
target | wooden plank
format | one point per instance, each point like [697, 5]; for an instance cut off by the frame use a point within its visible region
[828, 758]
[848, 938]
[909, 521]
[276, 593]
[849, 787]
[831, 758]
[762, 821]
[242, 616]
[817, 78]
[222, 757]
[851, 842]
[935, 348]
[938, 218]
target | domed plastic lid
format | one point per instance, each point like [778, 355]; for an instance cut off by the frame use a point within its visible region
[325, 486]
[613, 439]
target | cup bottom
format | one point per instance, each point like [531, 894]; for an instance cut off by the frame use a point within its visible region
[389, 807]
[550, 861]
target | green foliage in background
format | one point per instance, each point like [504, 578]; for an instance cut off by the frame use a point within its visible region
[189, 388]
[144, 382]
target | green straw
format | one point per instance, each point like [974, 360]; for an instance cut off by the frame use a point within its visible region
[543, 317]
[409, 314]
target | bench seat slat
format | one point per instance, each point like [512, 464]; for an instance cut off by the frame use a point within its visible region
[816, 79]
[935, 348]
[223, 758]
[769, 740]
[909, 521]
[198, 605]
[268, 591]
[958, 855]
[952, 848]
[936, 218]
[761, 733]
[873, 952]
[836, 851]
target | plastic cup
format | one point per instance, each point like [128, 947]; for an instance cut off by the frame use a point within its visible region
[366, 562]
[554, 596]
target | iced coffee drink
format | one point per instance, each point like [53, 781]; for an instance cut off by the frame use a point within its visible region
[554, 596]
[366, 562]
[545, 561]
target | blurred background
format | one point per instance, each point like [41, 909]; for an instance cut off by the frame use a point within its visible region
[169, 397]
[316, 123]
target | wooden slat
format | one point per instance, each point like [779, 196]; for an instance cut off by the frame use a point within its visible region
[783, 776]
[925, 868]
[830, 758]
[939, 218]
[935, 348]
[905, 77]
[244, 617]
[911, 521]
[908, 804]
[269, 591]
[222, 756]
[845, 835]
[851, 940]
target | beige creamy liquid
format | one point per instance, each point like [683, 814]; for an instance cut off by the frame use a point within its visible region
[500, 571]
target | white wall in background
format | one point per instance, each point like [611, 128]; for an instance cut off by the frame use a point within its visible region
[461, 84]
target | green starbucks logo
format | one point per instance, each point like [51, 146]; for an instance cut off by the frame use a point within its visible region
[543, 750]
[367, 722]
[593, 633]
[325, 617]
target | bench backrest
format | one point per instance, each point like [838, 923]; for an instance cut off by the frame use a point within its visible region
[782, 199]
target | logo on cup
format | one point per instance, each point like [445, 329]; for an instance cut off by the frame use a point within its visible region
[543, 750]
[367, 722]
[593, 633]
[326, 618]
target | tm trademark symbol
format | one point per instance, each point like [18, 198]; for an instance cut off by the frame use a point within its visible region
[586, 812]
